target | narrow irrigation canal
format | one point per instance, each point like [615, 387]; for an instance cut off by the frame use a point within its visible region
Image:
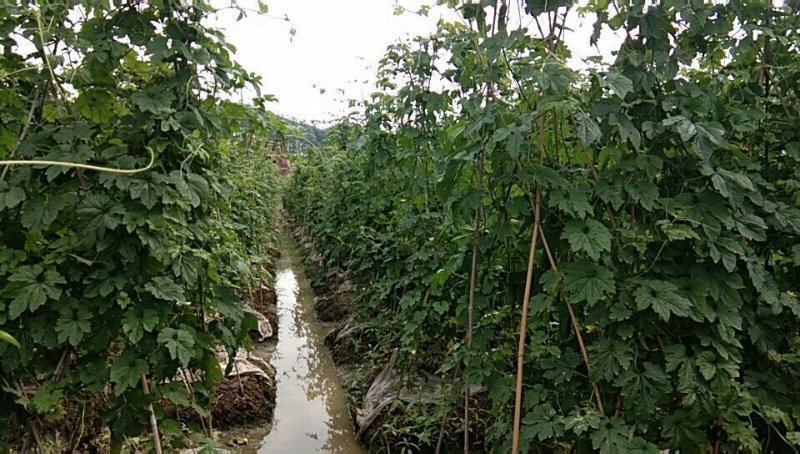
[311, 408]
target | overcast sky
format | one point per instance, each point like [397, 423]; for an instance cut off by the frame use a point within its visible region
[333, 55]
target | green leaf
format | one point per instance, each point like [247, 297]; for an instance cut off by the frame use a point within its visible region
[47, 398]
[98, 214]
[96, 105]
[148, 192]
[136, 322]
[176, 393]
[166, 289]
[677, 232]
[500, 134]
[588, 281]
[626, 129]
[683, 429]
[73, 325]
[610, 357]
[227, 304]
[744, 435]
[213, 372]
[134, 220]
[588, 130]
[678, 361]
[789, 301]
[573, 200]
[776, 415]
[39, 212]
[127, 371]
[542, 423]
[618, 83]
[31, 287]
[645, 193]
[720, 185]
[154, 103]
[728, 249]
[589, 236]
[675, 355]
[611, 189]
[702, 147]
[192, 186]
[7, 338]
[639, 445]
[729, 320]
[547, 177]
[788, 217]
[583, 420]
[751, 227]
[611, 437]
[685, 127]
[13, 197]
[714, 132]
[644, 389]
[663, 298]
[179, 343]
[763, 281]
[740, 179]
[536, 7]
[711, 365]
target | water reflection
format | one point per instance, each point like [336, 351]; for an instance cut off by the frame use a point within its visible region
[311, 412]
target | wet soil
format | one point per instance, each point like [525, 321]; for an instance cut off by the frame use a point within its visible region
[244, 399]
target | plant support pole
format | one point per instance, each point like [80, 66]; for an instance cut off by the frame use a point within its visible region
[574, 322]
[473, 278]
[471, 318]
[523, 323]
[153, 420]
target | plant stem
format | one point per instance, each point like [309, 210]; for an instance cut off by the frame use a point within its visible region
[24, 131]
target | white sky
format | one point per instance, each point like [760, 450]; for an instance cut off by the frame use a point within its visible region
[336, 48]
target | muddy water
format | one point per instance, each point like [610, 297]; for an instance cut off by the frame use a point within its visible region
[311, 409]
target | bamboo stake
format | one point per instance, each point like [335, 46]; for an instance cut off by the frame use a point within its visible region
[523, 323]
[472, 282]
[440, 441]
[575, 327]
[153, 420]
[536, 206]
[471, 318]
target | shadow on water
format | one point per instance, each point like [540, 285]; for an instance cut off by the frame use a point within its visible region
[311, 409]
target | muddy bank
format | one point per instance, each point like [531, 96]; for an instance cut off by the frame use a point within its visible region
[246, 396]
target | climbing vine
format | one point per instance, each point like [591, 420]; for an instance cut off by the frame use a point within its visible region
[656, 197]
[134, 207]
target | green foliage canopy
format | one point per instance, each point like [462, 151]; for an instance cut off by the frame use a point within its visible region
[671, 205]
[106, 277]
